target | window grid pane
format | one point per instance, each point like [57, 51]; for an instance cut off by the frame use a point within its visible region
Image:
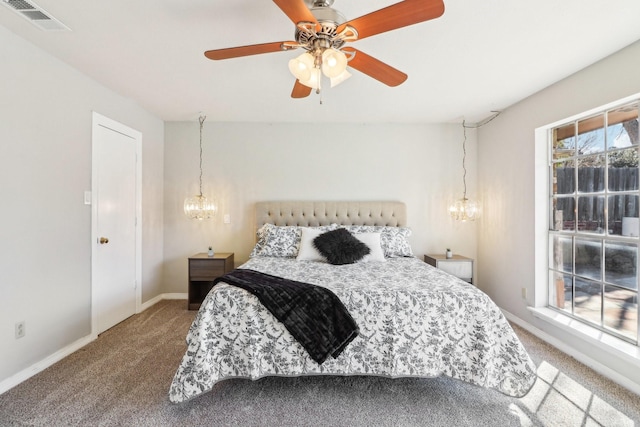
[621, 264]
[591, 135]
[561, 253]
[621, 311]
[563, 214]
[561, 291]
[594, 220]
[623, 215]
[591, 214]
[587, 300]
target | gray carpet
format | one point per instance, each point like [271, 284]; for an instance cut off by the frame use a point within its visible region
[122, 378]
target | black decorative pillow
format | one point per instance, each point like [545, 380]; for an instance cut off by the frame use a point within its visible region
[340, 247]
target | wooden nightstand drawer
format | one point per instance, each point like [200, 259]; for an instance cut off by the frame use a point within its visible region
[203, 270]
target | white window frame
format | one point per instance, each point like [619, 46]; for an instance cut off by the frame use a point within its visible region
[595, 336]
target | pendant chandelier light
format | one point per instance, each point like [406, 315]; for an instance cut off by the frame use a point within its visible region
[199, 207]
[464, 209]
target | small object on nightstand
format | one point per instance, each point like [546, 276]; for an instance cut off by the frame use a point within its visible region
[457, 265]
[203, 269]
[449, 254]
[210, 253]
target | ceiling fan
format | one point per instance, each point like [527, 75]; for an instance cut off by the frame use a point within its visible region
[322, 32]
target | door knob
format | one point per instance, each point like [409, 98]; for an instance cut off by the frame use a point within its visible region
[103, 240]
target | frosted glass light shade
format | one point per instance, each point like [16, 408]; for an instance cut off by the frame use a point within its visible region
[314, 80]
[334, 62]
[335, 81]
[302, 66]
[199, 207]
[464, 210]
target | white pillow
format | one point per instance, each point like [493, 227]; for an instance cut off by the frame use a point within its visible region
[308, 251]
[372, 240]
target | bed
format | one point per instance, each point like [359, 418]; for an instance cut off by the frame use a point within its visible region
[413, 319]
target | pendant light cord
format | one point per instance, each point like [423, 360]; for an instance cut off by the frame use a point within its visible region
[464, 146]
[201, 119]
[464, 157]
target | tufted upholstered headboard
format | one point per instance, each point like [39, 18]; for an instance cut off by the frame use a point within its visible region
[315, 213]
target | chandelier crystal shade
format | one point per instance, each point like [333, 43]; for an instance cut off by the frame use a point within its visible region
[199, 207]
[464, 210]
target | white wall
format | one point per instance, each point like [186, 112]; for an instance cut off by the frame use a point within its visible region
[45, 166]
[506, 184]
[420, 165]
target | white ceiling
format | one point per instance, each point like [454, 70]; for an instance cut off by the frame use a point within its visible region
[478, 57]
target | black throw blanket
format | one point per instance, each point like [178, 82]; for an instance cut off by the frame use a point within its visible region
[314, 315]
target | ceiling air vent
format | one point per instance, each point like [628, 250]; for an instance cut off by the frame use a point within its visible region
[35, 14]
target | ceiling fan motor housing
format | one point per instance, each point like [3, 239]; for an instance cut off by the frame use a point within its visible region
[318, 3]
[328, 15]
[326, 37]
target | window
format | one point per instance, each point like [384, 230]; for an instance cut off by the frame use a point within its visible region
[594, 201]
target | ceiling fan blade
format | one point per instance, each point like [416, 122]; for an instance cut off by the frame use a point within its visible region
[300, 90]
[254, 49]
[402, 14]
[296, 10]
[375, 68]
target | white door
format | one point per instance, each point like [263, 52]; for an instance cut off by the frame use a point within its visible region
[114, 232]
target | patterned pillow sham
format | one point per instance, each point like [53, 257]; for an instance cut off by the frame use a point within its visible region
[281, 241]
[393, 239]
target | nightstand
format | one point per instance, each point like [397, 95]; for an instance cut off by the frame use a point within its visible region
[458, 265]
[203, 269]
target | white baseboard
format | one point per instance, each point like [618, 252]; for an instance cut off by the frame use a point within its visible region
[159, 298]
[43, 364]
[175, 296]
[579, 356]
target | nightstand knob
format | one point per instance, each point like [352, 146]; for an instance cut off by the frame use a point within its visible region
[103, 240]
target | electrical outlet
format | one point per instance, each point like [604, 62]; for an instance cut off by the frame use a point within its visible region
[20, 329]
[227, 219]
[524, 293]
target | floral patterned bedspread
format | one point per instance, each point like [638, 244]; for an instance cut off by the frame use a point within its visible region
[414, 320]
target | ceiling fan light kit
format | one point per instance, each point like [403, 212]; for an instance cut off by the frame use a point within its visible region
[333, 66]
[323, 31]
